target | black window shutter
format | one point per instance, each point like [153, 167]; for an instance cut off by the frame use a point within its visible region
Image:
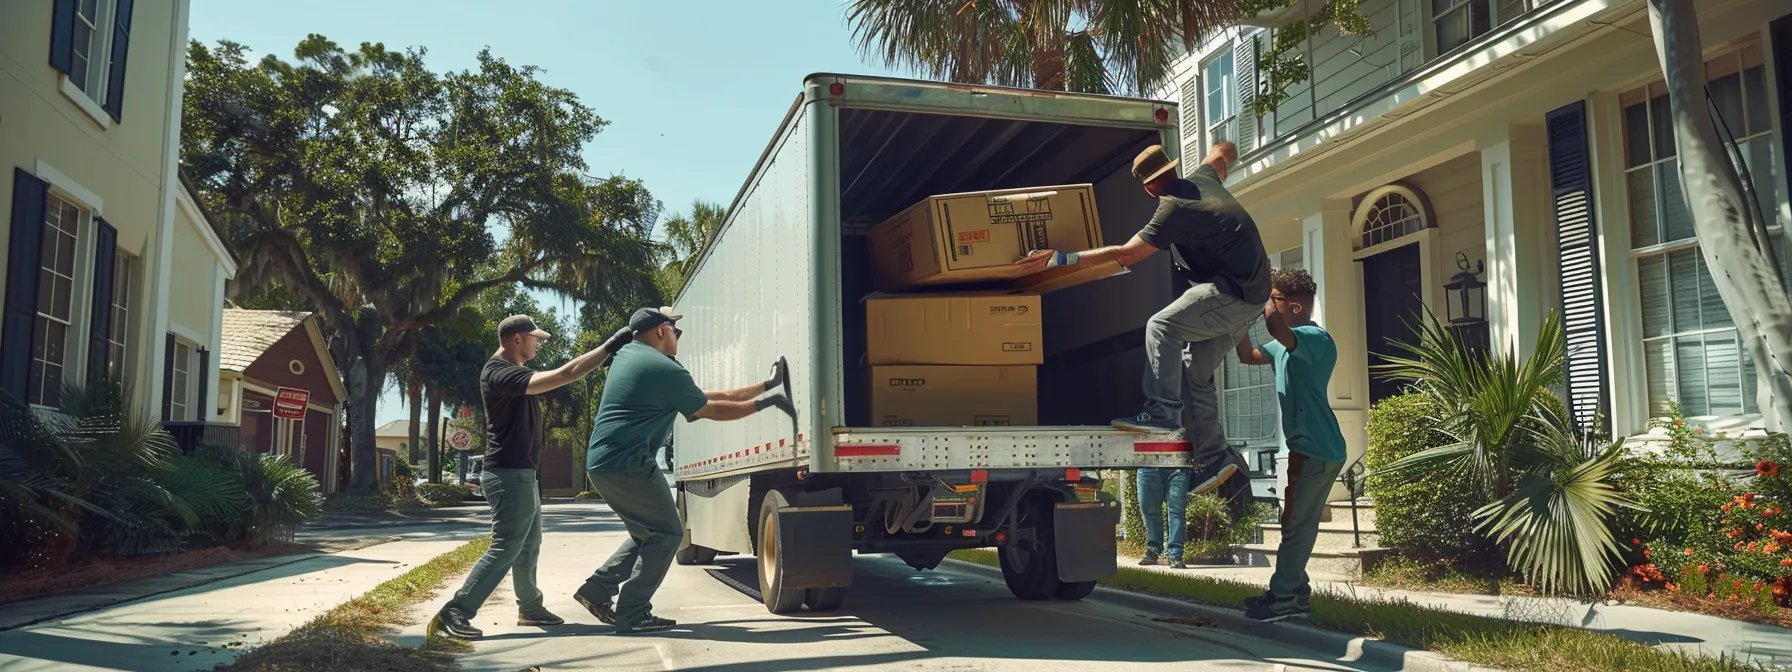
[203, 371]
[1582, 286]
[62, 36]
[1781, 34]
[105, 265]
[168, 380]
[25, 245]
[121, 47]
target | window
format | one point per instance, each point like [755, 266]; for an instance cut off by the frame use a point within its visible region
[1252, 413]
[1457, 22]
[1692, 352]
[55, 291]
[1222, 98]
[118, 360]
[181, 400]
[93, 23]
[1392, 216]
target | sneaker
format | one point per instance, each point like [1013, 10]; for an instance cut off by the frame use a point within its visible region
[646, 623]
[1146, 423]
[1177, 564]
[452, 622]
[538, 617]
[602, 610]
[1264, 609]
[1210, 475]
[1148, 560]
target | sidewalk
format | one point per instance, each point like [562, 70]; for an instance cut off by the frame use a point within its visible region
[1693, 633]
[195, 620]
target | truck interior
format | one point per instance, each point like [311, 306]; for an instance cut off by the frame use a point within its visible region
[1094, 332]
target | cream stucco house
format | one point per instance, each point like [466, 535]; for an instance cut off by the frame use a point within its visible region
[112, 269]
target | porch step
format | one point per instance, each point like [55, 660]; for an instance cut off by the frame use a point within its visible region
[1348, 563]
[1340, 512]
[1333, 536]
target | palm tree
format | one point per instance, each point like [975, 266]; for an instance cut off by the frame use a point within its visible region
[1087, 46]
[686, 236]
[1555, 501]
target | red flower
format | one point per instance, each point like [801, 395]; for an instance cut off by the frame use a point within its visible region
[1704, 570]
[1738, 546]
[1672, 588]
[1689, 552]
[1751, 545]
[1786, 563]
[1634, 541]
[1759, 527]
[1645, 554]
[1766, 468]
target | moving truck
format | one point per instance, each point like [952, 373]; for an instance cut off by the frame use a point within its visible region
[787, 276]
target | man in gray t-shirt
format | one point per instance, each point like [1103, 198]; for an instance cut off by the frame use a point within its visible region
[1219, 252]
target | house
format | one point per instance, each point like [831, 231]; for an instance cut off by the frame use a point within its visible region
[112, 270]
[277, 381]
[1523, 144]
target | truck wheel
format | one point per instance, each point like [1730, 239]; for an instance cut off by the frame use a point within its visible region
[824, 599]
[1075, 590]
[1031, 568]
[695, 555]
[778, 600]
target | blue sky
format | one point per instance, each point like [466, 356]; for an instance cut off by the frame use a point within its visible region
[692, 90]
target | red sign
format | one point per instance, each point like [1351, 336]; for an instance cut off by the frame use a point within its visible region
[290, 403]
[460, 438]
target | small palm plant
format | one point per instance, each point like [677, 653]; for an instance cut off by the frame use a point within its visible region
[1553, 486]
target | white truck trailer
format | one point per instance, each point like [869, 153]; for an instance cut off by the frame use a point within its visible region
[784, 278]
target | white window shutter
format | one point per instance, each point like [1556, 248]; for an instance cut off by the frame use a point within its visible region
[1191, 119]
[1244, 67]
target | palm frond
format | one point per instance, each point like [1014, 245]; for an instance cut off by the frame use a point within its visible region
[1559, 518]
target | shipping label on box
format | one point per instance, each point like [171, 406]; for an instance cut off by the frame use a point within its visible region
[977, 237]
[958, 329]
[954, 396]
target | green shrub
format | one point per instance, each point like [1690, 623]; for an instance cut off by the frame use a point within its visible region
[1431, 516]
[444, 494]
[1210, 531]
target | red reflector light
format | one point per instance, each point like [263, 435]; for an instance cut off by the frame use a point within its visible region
[837, 89]
[1162, 447]
[970, 533]
[979, 476]
[866, 450]
[1001, 537]
[1073, 474]
[1163, 115]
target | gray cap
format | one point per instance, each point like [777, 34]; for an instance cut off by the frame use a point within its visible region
[648, 318]
[519, 324]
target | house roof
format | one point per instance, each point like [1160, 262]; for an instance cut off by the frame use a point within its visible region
[249, 333]
[395, 428]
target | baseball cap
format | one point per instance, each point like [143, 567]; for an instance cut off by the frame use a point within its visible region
[519, 324]
[648, 318]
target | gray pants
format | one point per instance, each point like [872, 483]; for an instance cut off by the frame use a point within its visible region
[515, 498]
[643, 500]
[1309, 484]
[1209, 323]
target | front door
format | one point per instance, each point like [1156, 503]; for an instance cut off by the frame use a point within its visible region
[1393, 303]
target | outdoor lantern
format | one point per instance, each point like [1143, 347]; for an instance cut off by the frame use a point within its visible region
[1467, 301]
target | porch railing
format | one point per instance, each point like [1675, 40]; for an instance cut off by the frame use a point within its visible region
[191, 435]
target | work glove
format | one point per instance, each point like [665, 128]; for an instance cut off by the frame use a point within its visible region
[778, 401]
[780, 373]
[621, 338]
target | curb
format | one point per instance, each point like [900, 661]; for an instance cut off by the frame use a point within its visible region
[1341, 646]
[184, 585]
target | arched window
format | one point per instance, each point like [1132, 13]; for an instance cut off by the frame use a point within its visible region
[1390, 213]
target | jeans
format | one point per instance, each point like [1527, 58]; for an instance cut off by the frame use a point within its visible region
[515, 498]
[1195, 332]
[1160, 488]
[1309, 484]
[643, 500]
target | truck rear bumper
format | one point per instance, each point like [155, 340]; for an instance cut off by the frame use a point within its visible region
[949, 448]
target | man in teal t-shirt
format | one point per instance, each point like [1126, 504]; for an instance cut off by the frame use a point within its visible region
[644, 393]
[1304, 355]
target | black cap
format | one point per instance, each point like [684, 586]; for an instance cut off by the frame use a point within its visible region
[519, 324]
[648, 318]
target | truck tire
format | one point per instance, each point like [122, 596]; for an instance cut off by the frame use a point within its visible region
[1031, 568]
[695, 555]
[1075, 590]
[824, 599]
[778, 600]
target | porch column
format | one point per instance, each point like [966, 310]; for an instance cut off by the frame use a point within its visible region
[1326, 237]
[1515, 197]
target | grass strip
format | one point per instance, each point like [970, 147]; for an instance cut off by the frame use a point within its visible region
[1493, 642]
[356, 635]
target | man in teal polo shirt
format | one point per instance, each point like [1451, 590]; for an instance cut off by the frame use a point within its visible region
[644, 393]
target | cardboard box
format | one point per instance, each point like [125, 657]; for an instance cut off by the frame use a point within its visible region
[957, 329]
[976, 238]
[954, 396]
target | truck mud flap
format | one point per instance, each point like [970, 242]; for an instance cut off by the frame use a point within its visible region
[1083, 534]
[815, 546]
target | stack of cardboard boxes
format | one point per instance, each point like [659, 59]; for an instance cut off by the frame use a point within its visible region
[941, 356]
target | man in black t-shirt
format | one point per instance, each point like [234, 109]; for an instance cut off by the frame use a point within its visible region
[511, 395]
[1219, 253]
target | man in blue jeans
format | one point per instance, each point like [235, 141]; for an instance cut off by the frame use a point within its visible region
[511, 395]
[1160, 489]
[1304, 356]
[1219, 253]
